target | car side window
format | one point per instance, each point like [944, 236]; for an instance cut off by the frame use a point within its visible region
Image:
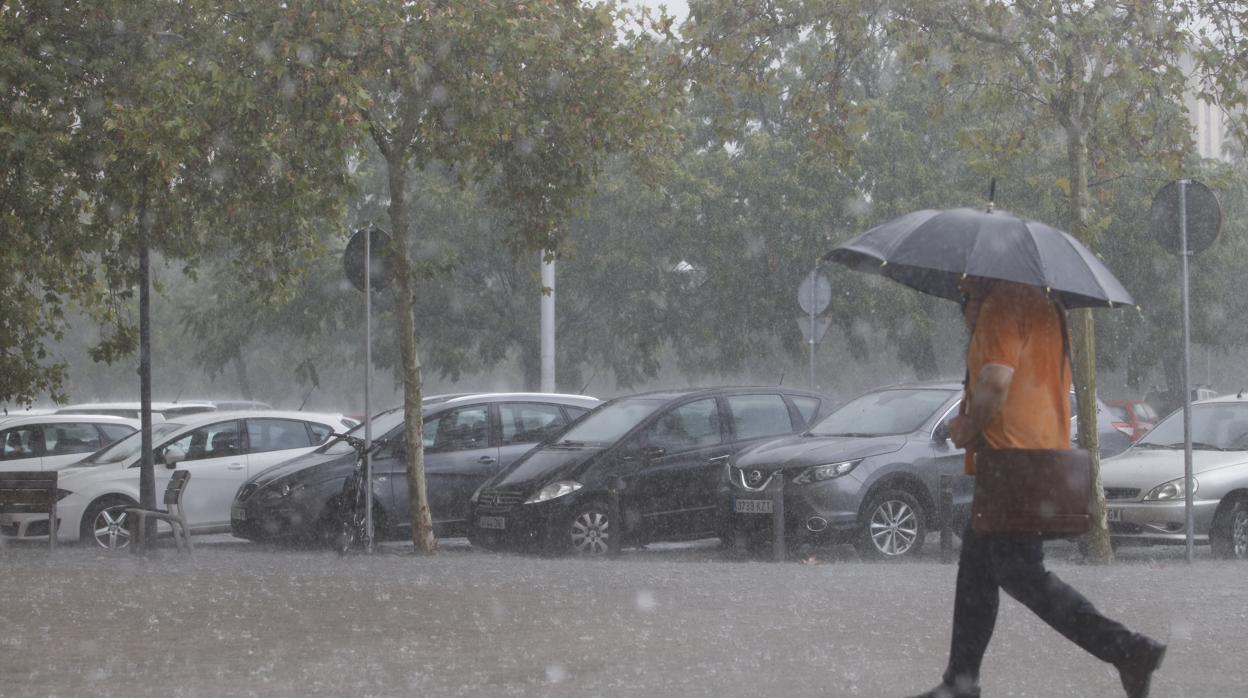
[528, 422]
[114, 432]
[320, 432]
[759, 415]
[265, 435]
[20, 442]
[64, 439]
[688, 426]
[808, 407]
[458, 430]
[213, 441]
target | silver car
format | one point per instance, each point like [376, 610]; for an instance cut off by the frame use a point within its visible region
[1144, 488]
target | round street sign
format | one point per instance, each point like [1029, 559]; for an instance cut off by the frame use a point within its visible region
[815, 293]
[353, 258]
[1204, 217]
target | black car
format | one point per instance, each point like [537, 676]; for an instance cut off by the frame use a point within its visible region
[665, 452]
[467, 438]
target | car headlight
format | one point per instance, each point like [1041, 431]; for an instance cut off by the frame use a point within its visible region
[1169, 491]
[819, 473]
[554, 490]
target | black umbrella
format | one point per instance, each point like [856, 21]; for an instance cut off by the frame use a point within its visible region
[932, 250]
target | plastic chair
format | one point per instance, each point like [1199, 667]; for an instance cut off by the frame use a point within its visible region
[174, 513]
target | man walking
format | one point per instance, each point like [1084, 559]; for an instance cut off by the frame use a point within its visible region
[1018, 380]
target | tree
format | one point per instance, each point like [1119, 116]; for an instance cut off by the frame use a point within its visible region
[525, 99]
[1108, 76]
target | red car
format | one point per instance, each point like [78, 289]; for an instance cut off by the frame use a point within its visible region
[1132, 417]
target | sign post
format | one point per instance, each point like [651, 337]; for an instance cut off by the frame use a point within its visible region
[814, 294]
[364, 263]
[1186, 219]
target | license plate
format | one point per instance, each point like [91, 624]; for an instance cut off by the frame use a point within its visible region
[238, 512]
[496, 523]
[752, 506]
[1113, 514]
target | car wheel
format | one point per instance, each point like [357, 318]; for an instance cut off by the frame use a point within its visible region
[589, 530]
[1229, 536]
[105, 523]
[892, 526]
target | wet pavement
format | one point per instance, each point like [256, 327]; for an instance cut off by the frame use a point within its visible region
[679, 620]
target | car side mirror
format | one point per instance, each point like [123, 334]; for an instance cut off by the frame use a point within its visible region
[941, 432]
[172, 456]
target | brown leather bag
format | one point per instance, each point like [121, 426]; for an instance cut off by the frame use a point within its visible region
[1044, 492]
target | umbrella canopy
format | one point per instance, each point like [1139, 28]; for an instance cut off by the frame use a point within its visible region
[931, 250]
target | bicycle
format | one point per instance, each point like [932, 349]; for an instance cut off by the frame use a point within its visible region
[352, 518]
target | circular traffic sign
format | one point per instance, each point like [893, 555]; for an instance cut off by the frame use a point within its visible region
[353, 258]
[1204, 217]
[815, 293]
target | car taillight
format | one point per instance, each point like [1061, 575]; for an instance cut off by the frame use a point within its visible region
[1126, 429]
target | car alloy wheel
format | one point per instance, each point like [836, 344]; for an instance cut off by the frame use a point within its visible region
[110, 528]
[1229, 536]
[1239, 533]
[892, 526]
[590, 530]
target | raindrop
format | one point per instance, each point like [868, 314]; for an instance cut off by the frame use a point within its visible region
[646, 602]
[555, 673]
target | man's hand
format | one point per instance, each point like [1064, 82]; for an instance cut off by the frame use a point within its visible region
[963, 432]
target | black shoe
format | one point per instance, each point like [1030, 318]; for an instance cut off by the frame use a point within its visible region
[945, 690]
[1137, 671]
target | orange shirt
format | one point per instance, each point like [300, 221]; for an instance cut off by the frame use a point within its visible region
[1018, 327]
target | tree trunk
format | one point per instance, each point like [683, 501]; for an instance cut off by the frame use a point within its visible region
[1083, 338]
[404, 307]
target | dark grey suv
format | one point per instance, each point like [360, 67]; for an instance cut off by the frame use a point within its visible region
[867, 474]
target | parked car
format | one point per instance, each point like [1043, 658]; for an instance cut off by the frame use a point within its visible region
[220, 449]
[1144, 487]
[467, 438]
[666, 452]
[867, 474]
[132, 410]
[1110, 438]
[1132, 417]
[53, 441]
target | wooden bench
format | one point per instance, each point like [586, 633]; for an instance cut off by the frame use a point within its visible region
[30, 492]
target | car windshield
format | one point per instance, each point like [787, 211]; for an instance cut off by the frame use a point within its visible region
[383, 424]
[883, 413]
[128, 447]
[1215, 426]
[608, 423]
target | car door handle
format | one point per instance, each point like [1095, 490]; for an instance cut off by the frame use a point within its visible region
[487, 460]
[719, 460]
[235, 466]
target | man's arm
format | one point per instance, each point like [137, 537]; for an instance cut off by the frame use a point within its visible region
[990, 392]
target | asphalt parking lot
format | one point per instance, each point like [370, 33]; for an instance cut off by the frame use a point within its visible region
[678, 620]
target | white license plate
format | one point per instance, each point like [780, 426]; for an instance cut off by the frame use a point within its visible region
[752, 506]
[496, 523]
[1112, 514]
[238, 512]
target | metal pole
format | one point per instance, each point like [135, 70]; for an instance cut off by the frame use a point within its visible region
[368, 373]
[779, 547]
[946, 518]
[548, 325]
[814, 293]
[147, 463]
[615, 518]
[1187, 370]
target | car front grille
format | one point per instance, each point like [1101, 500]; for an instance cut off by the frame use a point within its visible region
[494, 501]
[247, 490]
[752, 479]
[1121, 493]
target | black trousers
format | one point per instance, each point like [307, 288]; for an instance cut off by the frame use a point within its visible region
[991, 563]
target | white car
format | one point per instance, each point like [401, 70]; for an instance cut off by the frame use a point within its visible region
[53, 441]
[132, 410]
[220, 449]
